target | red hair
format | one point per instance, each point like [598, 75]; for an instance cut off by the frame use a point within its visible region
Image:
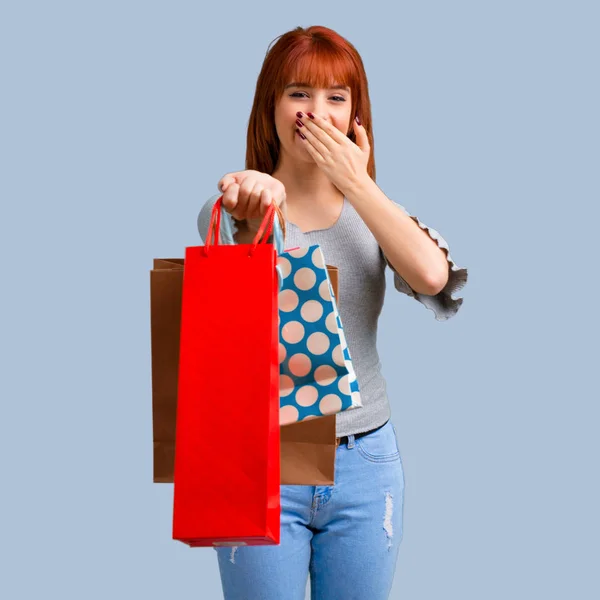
[319, 57]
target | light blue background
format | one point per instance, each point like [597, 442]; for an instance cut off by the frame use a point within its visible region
[117, 121]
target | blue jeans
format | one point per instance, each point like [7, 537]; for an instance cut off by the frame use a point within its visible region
[347, 536]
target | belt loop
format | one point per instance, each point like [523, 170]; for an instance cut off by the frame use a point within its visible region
[351, 441]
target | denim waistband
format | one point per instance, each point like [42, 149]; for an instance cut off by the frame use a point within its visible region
[344, 439]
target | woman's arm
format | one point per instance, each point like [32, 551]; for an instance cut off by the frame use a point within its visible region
[410, 251]
[244, 235]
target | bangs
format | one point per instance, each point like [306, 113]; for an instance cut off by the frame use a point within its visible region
[318, 67]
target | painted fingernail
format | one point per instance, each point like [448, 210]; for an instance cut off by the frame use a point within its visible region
[311, 115]
[299, 114]
[300, 134]
[358, 120]
[299, 123]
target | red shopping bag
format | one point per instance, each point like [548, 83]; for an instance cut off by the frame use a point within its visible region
[227, 439]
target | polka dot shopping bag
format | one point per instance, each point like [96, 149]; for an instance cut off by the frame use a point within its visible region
[316, 376]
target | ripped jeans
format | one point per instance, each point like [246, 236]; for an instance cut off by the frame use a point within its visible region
[346, 536]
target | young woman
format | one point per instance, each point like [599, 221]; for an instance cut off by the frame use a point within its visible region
[310, 150]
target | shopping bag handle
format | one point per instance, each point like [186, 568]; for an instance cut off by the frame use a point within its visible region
[215, 215]
[261, 236]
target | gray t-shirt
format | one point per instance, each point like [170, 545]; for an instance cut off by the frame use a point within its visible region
[350, 246]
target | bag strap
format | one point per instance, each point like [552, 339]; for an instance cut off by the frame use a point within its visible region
[277, 226]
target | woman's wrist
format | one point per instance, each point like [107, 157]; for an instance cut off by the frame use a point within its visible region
[254, 224]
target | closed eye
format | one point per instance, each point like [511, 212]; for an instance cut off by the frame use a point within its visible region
[339, 98]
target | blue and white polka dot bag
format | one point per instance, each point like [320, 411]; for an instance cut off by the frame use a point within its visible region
[315, 368]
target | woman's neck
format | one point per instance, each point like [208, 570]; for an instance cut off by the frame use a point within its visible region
[307, 185]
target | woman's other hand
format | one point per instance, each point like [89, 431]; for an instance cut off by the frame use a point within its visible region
[248, 194]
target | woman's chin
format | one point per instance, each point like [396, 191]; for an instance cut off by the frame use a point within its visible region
[302, 152]
[298, 151]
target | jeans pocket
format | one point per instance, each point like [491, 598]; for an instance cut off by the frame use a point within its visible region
[381, 445]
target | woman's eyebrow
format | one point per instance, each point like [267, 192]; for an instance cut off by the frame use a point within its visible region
[305, 85]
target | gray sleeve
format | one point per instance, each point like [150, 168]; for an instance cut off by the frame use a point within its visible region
[442, 304]
[228, 226]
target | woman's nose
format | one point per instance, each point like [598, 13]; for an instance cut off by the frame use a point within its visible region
[319, 107]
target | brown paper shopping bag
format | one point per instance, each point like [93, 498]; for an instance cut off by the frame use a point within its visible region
[166, 284]
[307, 448]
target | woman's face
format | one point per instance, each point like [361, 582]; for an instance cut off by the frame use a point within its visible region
[333, 105]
